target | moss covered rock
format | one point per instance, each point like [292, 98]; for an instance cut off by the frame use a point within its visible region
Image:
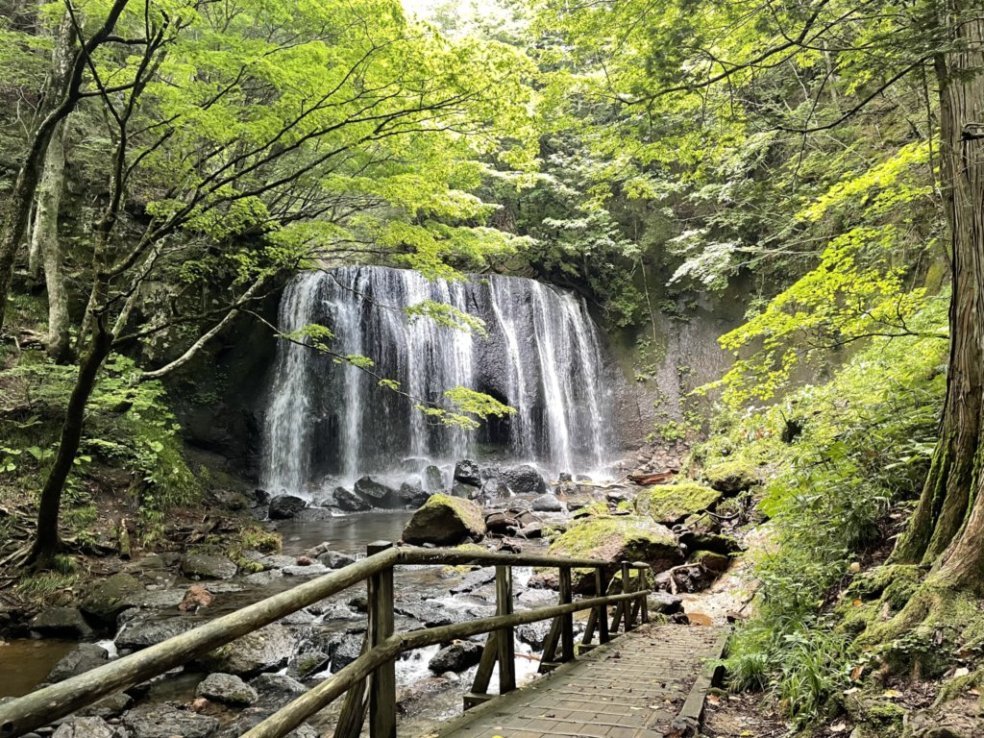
[619, 538]
[732, 476]
[671, 503]
[444, 520]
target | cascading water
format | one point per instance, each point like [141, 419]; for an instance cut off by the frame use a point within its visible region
[331, 420]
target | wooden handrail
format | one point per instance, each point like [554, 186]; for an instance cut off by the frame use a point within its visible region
[50, 703]
[320, 696]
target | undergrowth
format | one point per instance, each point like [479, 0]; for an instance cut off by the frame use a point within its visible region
[836, 458]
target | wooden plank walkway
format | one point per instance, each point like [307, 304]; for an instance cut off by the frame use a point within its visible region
[633, 687]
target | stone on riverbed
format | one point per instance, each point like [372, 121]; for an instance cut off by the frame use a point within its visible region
[459, 656]
[207, 566]
[167, 721]
[445, 520]
[150, 629]
[276, 690]
[88, 727]
[466, 471]
[112, 596]
[285, 507]
[335, 560]
[227, 689]
[620, 538]
[524, 480]
[433, 479]
[263, 650]
[61, 621]
[376, 493]
[547, 503]
[347, 501]
[80, 659]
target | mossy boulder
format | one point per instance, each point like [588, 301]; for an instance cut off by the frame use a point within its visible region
[112, 596]
[671, 503]
[620, 538]
[444, 520]
[711, 560]
[732, 476]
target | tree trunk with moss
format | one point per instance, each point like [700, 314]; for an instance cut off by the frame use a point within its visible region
[947, 527]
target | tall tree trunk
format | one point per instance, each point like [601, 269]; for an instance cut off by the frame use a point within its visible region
[15, 208]
[47, 541]
[47, 241]
[948, 523]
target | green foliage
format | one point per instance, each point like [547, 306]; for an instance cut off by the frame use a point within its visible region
[448, 316]
[865, 446]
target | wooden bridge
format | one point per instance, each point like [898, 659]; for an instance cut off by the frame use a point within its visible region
[630, 687]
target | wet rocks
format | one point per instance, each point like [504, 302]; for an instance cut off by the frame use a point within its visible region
[623, 538]
[167, 721]
[547, 503]
[376, 493]
[80, 659]
[61, 622]
[445, 520]
[111, 597]
[88, 727]
[285, 507]
[276, 690]
[149, 629]
[347, 501]
[346, 650]
[433, 480]
[467, 471]
[263, 650]
[534, 635]
[524, 480]
[475, 579]
[459, 656]
[227, 689]
[208, 566]
[411, 494]
[335, 560]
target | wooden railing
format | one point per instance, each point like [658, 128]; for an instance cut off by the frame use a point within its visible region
[369, 682]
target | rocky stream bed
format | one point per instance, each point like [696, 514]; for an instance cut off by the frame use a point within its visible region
[680, 529]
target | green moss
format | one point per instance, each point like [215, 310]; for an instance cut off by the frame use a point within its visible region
[670, 503]
[733, 475]
[445, 520]
[258, 538]
[627, 537]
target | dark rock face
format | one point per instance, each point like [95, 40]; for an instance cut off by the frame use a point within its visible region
[227, 689]
[534, 634]
[345, 651]
[285, 507]
[524, 480]
[80, 659]
[459, 656]
[465, 491]
[475, 579]
[61, 621]
[276, 690]
[167, 721]
[433, 479]
[207, 566]
[467, 471]
[377, 494]
[412, 494]
[348, 501]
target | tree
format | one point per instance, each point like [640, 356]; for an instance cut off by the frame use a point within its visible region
[252, 138]
[720, 63]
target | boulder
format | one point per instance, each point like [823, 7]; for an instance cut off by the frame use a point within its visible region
[524, 480]
[335, 560]
[547, 503]
[109, 706]
[717, 542]
[276, 690]
[433, 480]
[712, 561]
[732, 476]
[346, 649]
[285, 507]
[412, 494]
[534, 635]
[80, 659]
[376, 493]
[465, 491]
[502, 522]
[207, 566]
[468, 472]
[150, 629]
[314, 514]
[348, 501]
[664, 603]
[671, 503]
[445, 520]
[65, 622]
[495, 490]
[112, 596]
[263, 650]
[167, 721]
[459, 656]
[475, 579]
[88, 727]
[620, 538]
[227, 689]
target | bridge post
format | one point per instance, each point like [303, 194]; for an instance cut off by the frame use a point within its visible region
[602, 618]
[627, 610]
[505, 643]
[566, 621]
[382, 690]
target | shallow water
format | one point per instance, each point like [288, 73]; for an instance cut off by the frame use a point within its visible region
[25, 662]
[345, 533]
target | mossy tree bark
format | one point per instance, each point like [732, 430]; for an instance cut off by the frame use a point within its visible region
[947, 527]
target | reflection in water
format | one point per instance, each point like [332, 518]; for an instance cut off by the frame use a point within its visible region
[347, 534]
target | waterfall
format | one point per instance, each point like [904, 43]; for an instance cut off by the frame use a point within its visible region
[328, 420]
